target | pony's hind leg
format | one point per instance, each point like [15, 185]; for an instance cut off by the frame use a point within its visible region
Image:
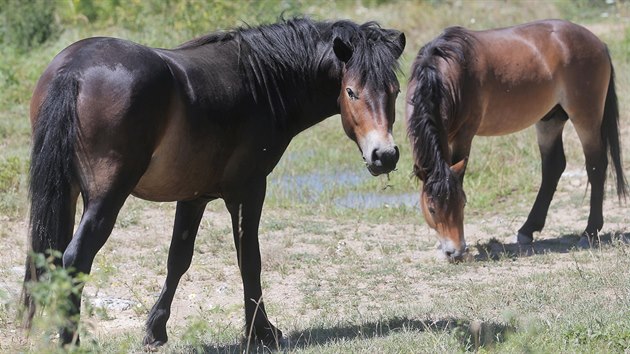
[596, 165]
[67, 215]
[187, 219]
[549, 135]
[94, 229]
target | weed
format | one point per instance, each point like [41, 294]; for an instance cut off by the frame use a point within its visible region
[53, 294]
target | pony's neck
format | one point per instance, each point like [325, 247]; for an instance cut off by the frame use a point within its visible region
[297, 81]
[289, 70]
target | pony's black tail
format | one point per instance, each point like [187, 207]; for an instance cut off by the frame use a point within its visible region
[51, 179]
[610, 134]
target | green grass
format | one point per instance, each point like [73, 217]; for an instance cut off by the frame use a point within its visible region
[578, 309]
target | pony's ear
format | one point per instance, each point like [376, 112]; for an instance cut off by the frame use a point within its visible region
[342, 50]
[459, 168]
[400, 41]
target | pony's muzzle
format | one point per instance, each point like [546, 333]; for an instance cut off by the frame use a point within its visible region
[454, 254]
[383, 160]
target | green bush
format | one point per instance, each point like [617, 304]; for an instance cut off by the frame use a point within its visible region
[25, 24]
[53, 292]
[11, 171]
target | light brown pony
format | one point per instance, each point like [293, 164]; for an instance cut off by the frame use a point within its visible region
[495, 82]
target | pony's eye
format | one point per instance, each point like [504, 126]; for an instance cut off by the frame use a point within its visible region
[351, 94]
[432, 210]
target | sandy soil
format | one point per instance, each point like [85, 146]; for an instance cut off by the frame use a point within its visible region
[308, 270]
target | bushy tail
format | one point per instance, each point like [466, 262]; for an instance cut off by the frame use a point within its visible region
[51, 176]
[425, 128]
[610, 134]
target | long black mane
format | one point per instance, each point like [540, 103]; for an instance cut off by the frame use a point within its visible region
[435, 101]
[282, 59]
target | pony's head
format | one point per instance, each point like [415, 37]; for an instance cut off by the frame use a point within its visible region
[369, 88]
[443, 205]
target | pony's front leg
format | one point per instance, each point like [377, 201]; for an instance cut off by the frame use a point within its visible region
[549, 135]
[187, 219]
[245, 209]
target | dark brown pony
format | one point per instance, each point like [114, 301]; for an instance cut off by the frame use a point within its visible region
[495, 82]
[207, 120]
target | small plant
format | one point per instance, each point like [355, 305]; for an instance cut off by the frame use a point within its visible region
[26, 24]
[54, 291]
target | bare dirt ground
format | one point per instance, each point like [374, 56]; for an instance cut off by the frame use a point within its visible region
[312, 267]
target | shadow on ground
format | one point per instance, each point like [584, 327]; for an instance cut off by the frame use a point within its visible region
[496, 250]
[473, 335]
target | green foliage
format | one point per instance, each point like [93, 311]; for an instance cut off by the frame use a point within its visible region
[53, 292]
[179, 20]
[11, 171]
[26, 23]
[614, 337]
[12, 184]
[586, 9]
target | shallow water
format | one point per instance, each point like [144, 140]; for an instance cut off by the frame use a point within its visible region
[311, 187]
[370, 200]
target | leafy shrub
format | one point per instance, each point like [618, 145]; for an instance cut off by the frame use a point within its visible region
[26, 23]
[11, 171]
[53, 292]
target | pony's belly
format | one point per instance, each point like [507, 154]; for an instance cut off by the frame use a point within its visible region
[169, 178]
[160, 190]
[507, 115]
[505, 124]
[168, 188]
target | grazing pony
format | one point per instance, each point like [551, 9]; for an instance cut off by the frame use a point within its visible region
[209, 119]
[495, 82]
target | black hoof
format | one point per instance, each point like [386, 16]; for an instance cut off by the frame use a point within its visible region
[524, 239]
[68, 337]
[153, 346]
[152, 342]
[587, 241]
[269, 336]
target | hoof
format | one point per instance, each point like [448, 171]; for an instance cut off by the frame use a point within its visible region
[523, 239]
[152, 344]
[269, 337]
[586, 242]
[67, 337]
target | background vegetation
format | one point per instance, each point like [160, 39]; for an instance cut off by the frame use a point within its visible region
[587, 303]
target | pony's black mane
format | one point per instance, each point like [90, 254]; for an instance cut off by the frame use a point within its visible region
[374, 52]
[284, 57]
[435, 100]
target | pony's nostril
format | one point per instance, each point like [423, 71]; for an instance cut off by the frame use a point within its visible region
[383, 160]
[376, 159]
[388, 157]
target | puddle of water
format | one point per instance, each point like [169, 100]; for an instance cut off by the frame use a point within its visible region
[371, 200]
[310, 187]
